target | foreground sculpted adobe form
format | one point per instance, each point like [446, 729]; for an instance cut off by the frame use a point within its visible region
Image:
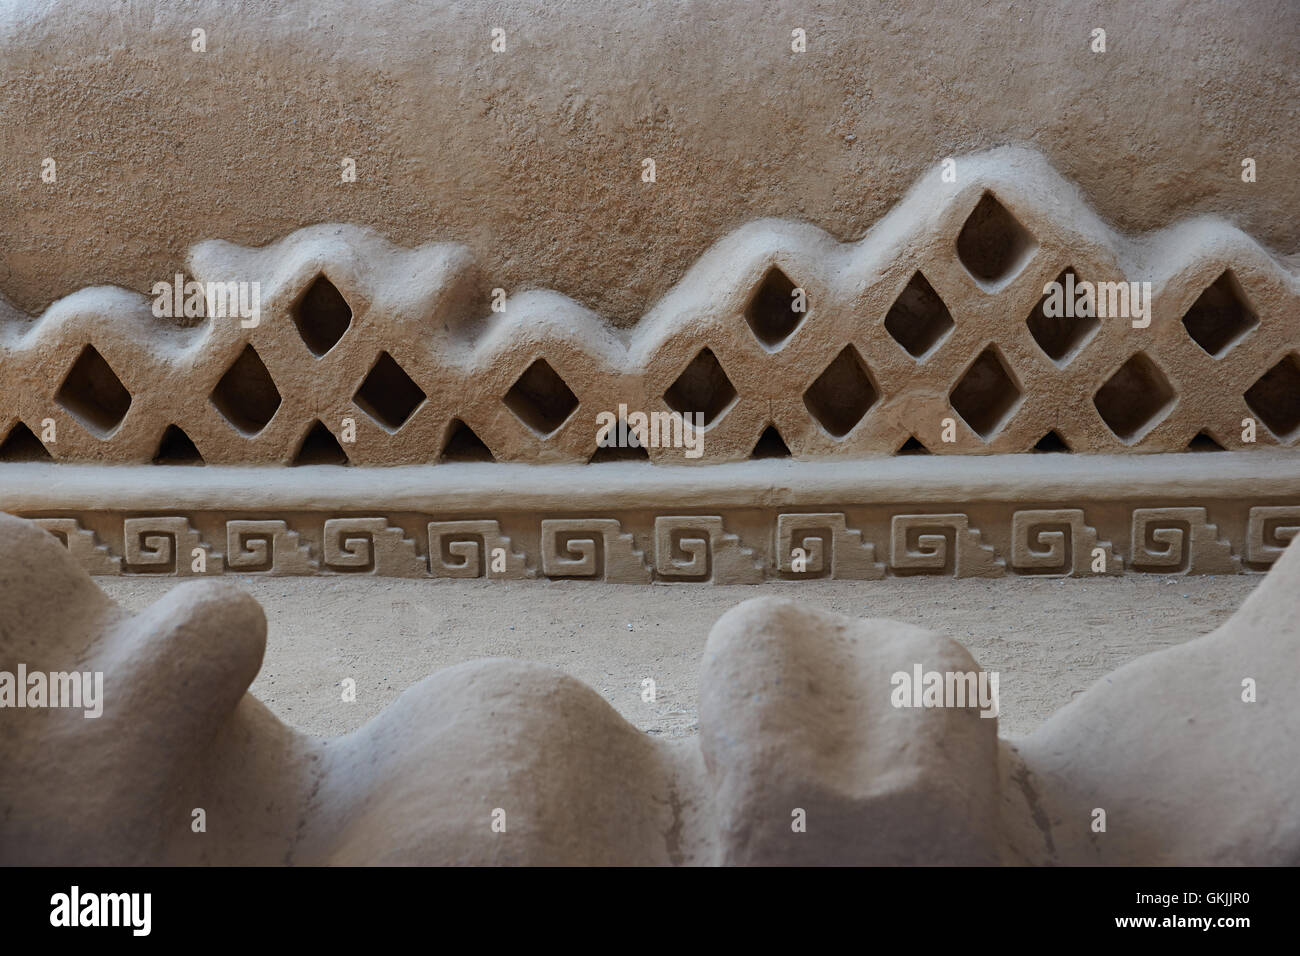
[796, 722]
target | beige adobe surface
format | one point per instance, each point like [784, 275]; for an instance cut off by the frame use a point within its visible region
[1050, 638]
[532, 157]
[635, 523]
[775, 170]
[1161, 745]
[930, 328]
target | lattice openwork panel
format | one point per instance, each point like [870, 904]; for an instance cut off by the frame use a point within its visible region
[929, 334]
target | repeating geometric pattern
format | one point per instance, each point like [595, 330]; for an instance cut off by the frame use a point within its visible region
[742, 547]
[930, 323]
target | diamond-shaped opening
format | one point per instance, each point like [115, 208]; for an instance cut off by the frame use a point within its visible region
[322, 315]
[388, 394]
[320, 447]
[771, 309]
[616, 452]
[841, 394]
[912, 447]
[176, 448]
[246, 394]
[986, 395]
[1061, 336]
[540, 399]
[1135, 398]
[702, 387]
[770, 444]
[1275, 398]
[1051, 442]
[1204, 442]
[22, 445]
[93, 393]
[992, 244]
[918, 320]
[1221, 316]
[463, 444]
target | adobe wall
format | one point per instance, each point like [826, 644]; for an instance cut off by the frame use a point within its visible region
[840, 264]
[532, 157]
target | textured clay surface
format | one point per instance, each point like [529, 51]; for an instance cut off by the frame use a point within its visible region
[1162, 745]
[533, 156]
[636, 523]
[930, 332]
[1050, 638]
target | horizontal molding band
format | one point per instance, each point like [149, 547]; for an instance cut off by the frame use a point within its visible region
[504, 487]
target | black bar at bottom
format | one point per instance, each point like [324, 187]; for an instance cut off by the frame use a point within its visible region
[330, 906]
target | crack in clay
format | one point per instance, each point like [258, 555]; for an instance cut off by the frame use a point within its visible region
[1036, 811]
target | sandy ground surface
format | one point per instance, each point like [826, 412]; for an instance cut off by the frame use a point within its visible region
[1048, 638]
